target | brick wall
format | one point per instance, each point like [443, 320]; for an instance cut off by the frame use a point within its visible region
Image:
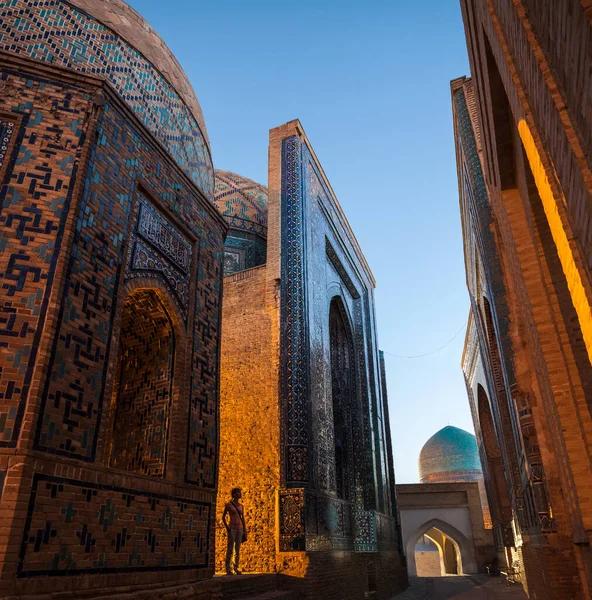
[249, 417]
[142, 391]
[427, 564]
[80, 171]
[527, 59]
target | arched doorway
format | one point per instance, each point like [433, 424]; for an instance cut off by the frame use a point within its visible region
[456, 554]
[495, 482]
[343, 393]
[437, 555]
[143, 387]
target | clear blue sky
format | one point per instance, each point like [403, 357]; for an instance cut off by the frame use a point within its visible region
[370, 84]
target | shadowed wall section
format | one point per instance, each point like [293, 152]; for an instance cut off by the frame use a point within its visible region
[144, 385]
[523, 136]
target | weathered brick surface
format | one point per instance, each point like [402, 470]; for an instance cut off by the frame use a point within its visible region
[530, 67]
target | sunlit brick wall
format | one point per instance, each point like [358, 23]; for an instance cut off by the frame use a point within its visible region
[249, 416]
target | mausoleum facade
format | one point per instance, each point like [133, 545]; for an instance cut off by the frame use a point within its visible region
[304, 417]
[111, 257]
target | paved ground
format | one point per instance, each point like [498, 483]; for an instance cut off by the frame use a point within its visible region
[475, 587]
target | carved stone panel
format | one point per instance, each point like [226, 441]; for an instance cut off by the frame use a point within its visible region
[160, 250]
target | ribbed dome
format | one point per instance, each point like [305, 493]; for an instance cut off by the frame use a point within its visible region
[242, 202]
[451, 455]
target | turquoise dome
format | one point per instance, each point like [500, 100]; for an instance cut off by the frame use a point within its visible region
[450, 455]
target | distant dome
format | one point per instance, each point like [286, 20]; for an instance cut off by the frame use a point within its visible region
[242, 202]
[450, 455]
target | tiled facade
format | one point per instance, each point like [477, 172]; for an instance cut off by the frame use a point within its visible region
[113, 247]
[315, 271]
[525, 192]
[102, 480]
[60, 33]
[301, 377]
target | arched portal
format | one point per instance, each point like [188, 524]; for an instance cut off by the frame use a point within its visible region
[437, 555]
[343, 393]
[143, 385]
[456, 552]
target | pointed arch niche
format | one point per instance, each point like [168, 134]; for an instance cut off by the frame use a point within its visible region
[343, 394]
[143, 385]
[499, 496]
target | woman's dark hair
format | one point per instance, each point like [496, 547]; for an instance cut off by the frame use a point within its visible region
[233, 491]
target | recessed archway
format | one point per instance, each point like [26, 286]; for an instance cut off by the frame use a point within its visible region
[457, 556]
[143, 388]
[499, 501]
[343, 394]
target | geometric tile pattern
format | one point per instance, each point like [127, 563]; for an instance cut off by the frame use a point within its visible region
[243, 251]
[160, 251]
[293, 318]
[34, 206]
[164, 236]
[292, 520]
[143, 388]
[74, 392]
[343, 392]
[326, 356]
[6, 131]
[314, 522]
[80, 528]
[242, 202]
[338, 266]
[55, 32]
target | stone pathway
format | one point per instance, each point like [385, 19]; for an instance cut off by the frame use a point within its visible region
[475, 587]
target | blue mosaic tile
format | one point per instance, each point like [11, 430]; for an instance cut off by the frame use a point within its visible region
[55, 32]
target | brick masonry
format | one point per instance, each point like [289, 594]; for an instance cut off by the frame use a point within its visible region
[83, 504]
[527, 247]
[249, 415]
[306, 518]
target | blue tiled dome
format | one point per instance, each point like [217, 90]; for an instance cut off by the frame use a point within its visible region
[109, 39]
[450, 455]
[242, 202]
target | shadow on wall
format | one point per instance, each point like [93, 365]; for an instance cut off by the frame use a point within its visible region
[345, 575]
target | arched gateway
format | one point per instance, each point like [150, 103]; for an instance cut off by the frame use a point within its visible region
[450, 516]
[443, 534]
